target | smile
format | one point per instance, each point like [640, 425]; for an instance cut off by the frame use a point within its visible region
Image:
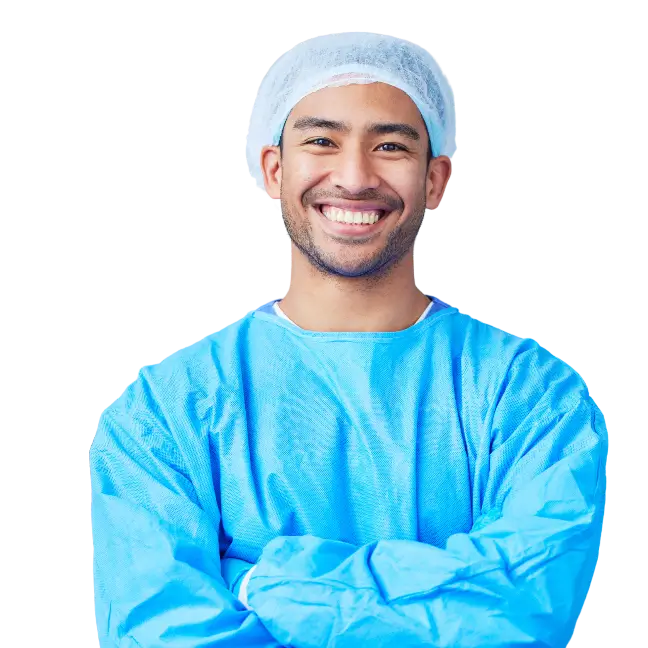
[351, 217]
[351, 224]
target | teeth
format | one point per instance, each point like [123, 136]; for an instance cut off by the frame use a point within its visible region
[345, 216]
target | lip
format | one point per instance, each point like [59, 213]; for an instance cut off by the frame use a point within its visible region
[348, 230]
[354, 205]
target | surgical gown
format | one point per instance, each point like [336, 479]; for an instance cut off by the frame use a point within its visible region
[443, 485]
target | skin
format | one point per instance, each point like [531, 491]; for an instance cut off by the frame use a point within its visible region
[339, 283]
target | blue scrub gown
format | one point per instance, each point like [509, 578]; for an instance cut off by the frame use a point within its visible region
[438, 486]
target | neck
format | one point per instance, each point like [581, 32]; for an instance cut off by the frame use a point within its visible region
[319, 302]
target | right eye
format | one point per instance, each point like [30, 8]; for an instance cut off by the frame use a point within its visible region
[319, 139]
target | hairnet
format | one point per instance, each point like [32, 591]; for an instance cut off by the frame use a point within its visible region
[344, 59]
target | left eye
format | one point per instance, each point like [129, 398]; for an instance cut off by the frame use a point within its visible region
[398, 146]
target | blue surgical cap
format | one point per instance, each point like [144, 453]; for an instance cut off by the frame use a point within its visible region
[344, 59]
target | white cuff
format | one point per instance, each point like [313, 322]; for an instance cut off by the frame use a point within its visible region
[243, 589]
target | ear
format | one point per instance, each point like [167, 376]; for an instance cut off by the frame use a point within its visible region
[271, 168]
[438, 174]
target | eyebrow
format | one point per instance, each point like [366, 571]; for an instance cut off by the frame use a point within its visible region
[375, 128]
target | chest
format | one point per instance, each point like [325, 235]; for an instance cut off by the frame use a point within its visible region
[344, 462]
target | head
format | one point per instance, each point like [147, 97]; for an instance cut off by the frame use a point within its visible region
[359, 146]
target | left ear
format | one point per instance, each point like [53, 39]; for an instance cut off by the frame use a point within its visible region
[438, 174]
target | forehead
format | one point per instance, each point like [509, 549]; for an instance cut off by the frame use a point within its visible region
[358, 103]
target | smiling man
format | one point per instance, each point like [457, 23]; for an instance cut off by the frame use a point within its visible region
[357, 464]
[355, 175]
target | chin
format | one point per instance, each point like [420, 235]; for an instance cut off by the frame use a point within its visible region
[348, 269]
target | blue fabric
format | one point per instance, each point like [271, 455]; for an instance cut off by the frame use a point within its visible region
[233, 570]
[443, 485]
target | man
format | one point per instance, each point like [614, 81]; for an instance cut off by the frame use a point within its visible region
[358, 464]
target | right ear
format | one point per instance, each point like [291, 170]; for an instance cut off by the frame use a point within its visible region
[271, 169]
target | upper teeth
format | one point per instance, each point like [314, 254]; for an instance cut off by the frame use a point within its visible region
[346, 216]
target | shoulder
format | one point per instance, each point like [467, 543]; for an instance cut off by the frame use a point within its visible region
[181, 388]
[513, 365]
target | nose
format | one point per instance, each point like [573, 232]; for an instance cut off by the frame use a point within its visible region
[353, 171]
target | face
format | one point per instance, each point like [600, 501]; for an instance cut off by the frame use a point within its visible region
[362, 149]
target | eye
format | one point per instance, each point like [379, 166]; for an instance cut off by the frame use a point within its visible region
[399, 147]
[319, 139]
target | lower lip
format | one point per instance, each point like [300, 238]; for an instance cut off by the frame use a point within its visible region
[353, 231]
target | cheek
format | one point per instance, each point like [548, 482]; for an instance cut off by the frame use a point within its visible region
[299, 176]
[410, 193]
[309, 169]
[407, 177]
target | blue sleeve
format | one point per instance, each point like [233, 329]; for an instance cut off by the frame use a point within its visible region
[157, 572]
[233, 570]
[518, 579]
